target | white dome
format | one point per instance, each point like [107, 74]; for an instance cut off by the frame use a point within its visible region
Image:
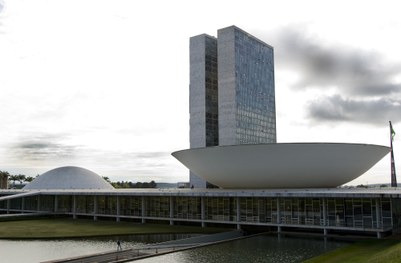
[69, 177]
[282, 165]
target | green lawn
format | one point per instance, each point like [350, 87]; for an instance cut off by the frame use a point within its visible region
[60, 228]
[368, 251]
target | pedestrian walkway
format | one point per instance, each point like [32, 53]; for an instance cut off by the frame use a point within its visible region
[23, 194]
[153, 250]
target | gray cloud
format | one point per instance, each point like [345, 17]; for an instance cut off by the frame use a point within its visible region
[47, 152]
[353, 71]
[44, 147]
[339, 109]
[363, 82]
[50, 148]
[42, 150]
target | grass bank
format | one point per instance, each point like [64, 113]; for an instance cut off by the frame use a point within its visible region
[71, 228]
[367, 251]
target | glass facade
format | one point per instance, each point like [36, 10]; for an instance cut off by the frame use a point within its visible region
[211, 94]
[255, 96]
[84, 204]
[130, 206]
[107, 205]
[221, 209]
[247, 110]
[158, 206]
[187, 207]
[356, 214]
[64, 204]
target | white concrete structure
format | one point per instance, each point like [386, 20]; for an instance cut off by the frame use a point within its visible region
[69, 177]
[282, 165]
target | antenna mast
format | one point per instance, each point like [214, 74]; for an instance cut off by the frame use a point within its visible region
[393, 174]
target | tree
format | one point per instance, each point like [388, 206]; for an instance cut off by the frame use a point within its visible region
[4, 173]
[21, 178]
[4, 179]
[29, 179]
[127, 184]
[13, 178]
[18, 177]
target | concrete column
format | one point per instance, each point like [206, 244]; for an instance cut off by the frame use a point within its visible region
[118, 209]
[38, 204]
[74, 207]
[378, 218]
[325, 231]
[55, 204]
[324, 214]
[95, 207]
[203, 211]
[22, 204]
[278, 212]
[278, 217]
[171, 211]
[238, 213]
[143, 210]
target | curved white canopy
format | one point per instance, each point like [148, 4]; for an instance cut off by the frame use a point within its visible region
[282, 165]
[69, 177]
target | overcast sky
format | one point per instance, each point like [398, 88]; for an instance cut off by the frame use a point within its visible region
[104, 84]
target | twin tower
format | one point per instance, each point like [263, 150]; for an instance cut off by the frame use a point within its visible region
[232, 98]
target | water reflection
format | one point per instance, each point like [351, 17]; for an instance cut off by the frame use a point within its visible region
[29, 251]
[264, 248]
[39, 250]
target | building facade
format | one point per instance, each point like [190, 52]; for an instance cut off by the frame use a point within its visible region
[375, 212]
[247, 112]
[232, 95]
[204, 129]
[371, 211]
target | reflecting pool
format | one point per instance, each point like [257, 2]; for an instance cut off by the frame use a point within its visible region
[262, 248]
[24, 251]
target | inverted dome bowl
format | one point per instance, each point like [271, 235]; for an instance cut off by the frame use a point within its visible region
[282, 165]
